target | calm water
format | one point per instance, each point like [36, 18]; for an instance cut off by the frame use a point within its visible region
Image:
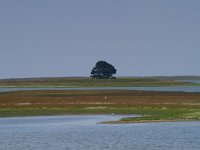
[194, 81]
[82, 133]
[165, 88]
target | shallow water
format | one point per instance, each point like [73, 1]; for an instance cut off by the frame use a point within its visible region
[82, 133]
[165, 88]
[193, 81]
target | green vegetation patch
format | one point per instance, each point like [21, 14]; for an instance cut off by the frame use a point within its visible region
[165, 114]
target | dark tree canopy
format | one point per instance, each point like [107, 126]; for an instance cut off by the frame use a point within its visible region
[103, 70]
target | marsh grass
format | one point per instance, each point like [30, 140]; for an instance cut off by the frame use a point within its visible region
[153, 106]
[87, 82]
[167, 114]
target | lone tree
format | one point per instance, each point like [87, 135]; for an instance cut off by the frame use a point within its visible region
[103, 70]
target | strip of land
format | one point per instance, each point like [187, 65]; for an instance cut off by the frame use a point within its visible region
[154, 106]
[88, 82]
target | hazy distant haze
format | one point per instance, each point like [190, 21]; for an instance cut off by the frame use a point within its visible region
[67, 37]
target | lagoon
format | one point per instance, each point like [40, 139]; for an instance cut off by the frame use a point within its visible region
[155, 88]
[82, 132]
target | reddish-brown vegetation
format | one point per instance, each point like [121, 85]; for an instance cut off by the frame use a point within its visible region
[64, 98]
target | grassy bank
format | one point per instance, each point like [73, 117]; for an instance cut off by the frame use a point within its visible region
[154, 106]
[157, 114]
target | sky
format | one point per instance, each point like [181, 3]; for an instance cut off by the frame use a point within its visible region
[59, 38]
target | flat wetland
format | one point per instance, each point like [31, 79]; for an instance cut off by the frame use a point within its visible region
[88, 82]
[154, 106]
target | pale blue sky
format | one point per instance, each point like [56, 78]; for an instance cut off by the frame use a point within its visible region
[67, 37]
